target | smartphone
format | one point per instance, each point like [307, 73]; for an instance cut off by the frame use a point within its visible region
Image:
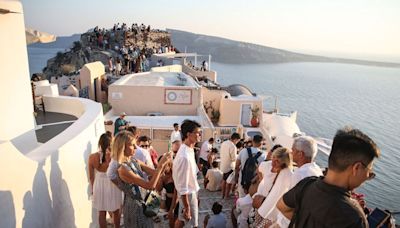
[378, 218]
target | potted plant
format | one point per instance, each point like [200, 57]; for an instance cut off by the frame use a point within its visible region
[254, 122]
[215, 115]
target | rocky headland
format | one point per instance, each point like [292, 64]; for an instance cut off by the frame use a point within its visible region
[101, 44]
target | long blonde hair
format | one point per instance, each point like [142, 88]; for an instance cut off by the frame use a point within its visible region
[284, 156]
[122, 139]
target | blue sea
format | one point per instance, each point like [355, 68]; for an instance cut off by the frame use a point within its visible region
[327, 96]
[38, 58]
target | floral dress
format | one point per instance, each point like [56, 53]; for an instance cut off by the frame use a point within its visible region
[133, 200]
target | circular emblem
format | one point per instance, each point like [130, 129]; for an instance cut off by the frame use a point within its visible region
[172, 96]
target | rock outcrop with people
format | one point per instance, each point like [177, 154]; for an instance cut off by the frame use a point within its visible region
[101, 44]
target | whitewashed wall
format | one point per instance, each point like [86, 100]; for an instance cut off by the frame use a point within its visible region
[41, 185]
[48, 187]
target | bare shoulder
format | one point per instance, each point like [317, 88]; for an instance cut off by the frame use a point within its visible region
[94, 158]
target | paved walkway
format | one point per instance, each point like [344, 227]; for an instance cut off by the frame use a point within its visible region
[207, 199]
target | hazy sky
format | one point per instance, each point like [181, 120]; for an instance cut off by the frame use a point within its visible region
[349, 28]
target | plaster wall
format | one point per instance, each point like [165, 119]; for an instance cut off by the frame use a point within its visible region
[15, 85]
[49, 186]
[140, 100]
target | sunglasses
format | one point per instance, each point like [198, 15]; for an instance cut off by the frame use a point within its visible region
[144, 146]
[371, 174]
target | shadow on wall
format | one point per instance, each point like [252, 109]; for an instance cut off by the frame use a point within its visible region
[7, 210]
[37, 204]
[40, 210]
[63, 209]
[94, 222]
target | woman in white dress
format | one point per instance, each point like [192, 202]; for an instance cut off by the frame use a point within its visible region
[106, 195]
[275, 182]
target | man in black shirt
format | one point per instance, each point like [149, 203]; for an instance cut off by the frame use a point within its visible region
[325, 201]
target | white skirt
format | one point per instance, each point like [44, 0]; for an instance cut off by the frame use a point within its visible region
[106, 195]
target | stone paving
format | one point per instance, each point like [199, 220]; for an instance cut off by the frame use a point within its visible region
[207, 199]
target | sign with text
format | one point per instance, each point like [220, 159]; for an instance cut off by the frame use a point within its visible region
[178, 96]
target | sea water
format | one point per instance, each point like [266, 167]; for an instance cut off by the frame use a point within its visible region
[329, 96]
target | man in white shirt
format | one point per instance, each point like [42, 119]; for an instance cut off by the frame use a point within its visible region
[213, 178]
[184, 174]
[204, 151]
[304, 151]
[242, 158]
[228, 157]
[143, 154]
[176, 134]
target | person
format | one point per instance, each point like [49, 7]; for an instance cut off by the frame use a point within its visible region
[269, 153]
[142, 152]
[213, 178]
[118, 67]
[242, 208]
[326, 201]
[218, 220]
[112, 170]
[134, 186]
[276, 175]
[242, 158]
[304, 151]
[176, 133]
[174, 208]
[204, 66]
[211, 157]
[153, 154]
[166, 182]
[203, 158]
[110, 65]
[120, 123]
[228, 160]
[104, 85]
[106, 196]
[186, 183]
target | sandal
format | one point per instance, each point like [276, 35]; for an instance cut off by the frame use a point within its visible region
[157, 219]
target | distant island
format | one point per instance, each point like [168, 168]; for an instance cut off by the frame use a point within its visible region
[231, 52]
[234, 52]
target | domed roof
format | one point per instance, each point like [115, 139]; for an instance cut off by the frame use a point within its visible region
[238, 89]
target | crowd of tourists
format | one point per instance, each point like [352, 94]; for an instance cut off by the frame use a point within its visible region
[129, 56]
[283, 187]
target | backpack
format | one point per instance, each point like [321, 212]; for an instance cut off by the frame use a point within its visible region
[250, 168]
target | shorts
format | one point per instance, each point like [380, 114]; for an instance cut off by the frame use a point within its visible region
[226, 175]
[194, 210]
[206, 166]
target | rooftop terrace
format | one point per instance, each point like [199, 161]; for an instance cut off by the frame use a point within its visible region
[50, 124]
[157, 79]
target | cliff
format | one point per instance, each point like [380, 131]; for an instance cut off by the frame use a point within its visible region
[87, 48]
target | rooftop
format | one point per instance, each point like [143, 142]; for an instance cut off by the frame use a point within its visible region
[157, 79]
[50, 124]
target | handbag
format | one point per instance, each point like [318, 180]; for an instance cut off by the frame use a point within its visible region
[151, 204]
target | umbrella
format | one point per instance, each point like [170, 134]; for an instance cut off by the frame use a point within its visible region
[34, 36]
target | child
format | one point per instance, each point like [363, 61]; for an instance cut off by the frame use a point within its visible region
[218, 220]
[243, 207]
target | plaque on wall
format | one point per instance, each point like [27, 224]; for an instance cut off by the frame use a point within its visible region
[178, 96]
